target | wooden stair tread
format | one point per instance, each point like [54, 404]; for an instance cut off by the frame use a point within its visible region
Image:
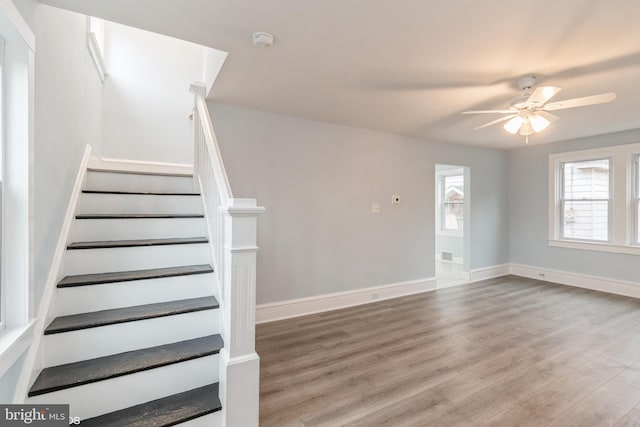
[168, 411]
[129, 314]
[61, 377]
[127, 276]
[140, 193]
[137, 216]
[138, 242]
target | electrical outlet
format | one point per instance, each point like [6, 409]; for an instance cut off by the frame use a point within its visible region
[375, 208]
[541, 275]
[395, 200]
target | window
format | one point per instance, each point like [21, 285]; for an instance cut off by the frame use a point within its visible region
[95, 42]
[594, 199]
[450, 203]
[585, 200]
[636, 202]
[452, 213]
[16, 94]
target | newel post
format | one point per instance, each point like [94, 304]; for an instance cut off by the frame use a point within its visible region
[240, 373]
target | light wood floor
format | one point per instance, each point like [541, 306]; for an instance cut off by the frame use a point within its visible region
[504, 352]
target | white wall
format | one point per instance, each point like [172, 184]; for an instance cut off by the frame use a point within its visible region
[318, 181]
[68, 116]
[528, 213]
[454, 244]
[146, 95]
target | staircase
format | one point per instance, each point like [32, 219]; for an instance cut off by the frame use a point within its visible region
[136, 330]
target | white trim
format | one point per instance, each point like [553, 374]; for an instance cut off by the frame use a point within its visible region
[327, 302]
[602, 284]
[13, 344]
[489, 272]
[126, 165]
[18, 23]
[96, 55]
[242, 249]
[620, 216]
[55, 273]
[596, 246]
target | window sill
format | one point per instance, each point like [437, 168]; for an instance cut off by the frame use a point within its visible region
[13, 343]
[595, 246]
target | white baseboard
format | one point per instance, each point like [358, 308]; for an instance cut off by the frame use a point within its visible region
[602, 284]
[489, 272]
[327, 302]
[34, 359]
[103, 163]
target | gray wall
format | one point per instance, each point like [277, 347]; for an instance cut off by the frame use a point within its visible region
[318, 181]
[528, 213]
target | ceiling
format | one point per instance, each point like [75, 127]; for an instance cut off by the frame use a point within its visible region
[410, 66]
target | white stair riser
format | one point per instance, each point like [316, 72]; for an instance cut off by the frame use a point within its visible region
[101, 397]
[137, 182]
[69, 347]
[83, 299]
[89, 230]
[95, 203]
[87, 261]
[210, 420]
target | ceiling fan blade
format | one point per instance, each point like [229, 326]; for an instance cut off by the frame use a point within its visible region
[548, 116]
[603, 98]
[501, 119]
[490, 112]
[541, 95]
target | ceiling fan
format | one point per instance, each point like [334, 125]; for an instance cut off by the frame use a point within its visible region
[530, 113]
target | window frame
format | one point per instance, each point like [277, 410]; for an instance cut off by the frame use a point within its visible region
[621, 229]
[635, 200]
[562, 201]
[440, 216]
[17, 174]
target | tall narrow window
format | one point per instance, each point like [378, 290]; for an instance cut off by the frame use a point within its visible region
[584, 200]
[2, 292]
[637, 199]
[452, 215]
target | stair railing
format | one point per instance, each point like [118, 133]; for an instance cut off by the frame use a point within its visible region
[232, 224]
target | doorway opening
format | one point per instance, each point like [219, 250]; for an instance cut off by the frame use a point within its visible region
[452, 245]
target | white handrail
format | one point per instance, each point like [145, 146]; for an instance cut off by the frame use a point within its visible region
[232, 233]
[209, 138]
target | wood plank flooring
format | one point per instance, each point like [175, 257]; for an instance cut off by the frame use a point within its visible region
[503, 352]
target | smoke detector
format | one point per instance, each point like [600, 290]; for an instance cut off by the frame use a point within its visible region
[261, 39]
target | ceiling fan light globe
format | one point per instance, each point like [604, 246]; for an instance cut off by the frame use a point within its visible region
[538, 123]
[526, 129]
[513, 125]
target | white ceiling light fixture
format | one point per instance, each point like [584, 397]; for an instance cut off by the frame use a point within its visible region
[262, 39]
[530, 114]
